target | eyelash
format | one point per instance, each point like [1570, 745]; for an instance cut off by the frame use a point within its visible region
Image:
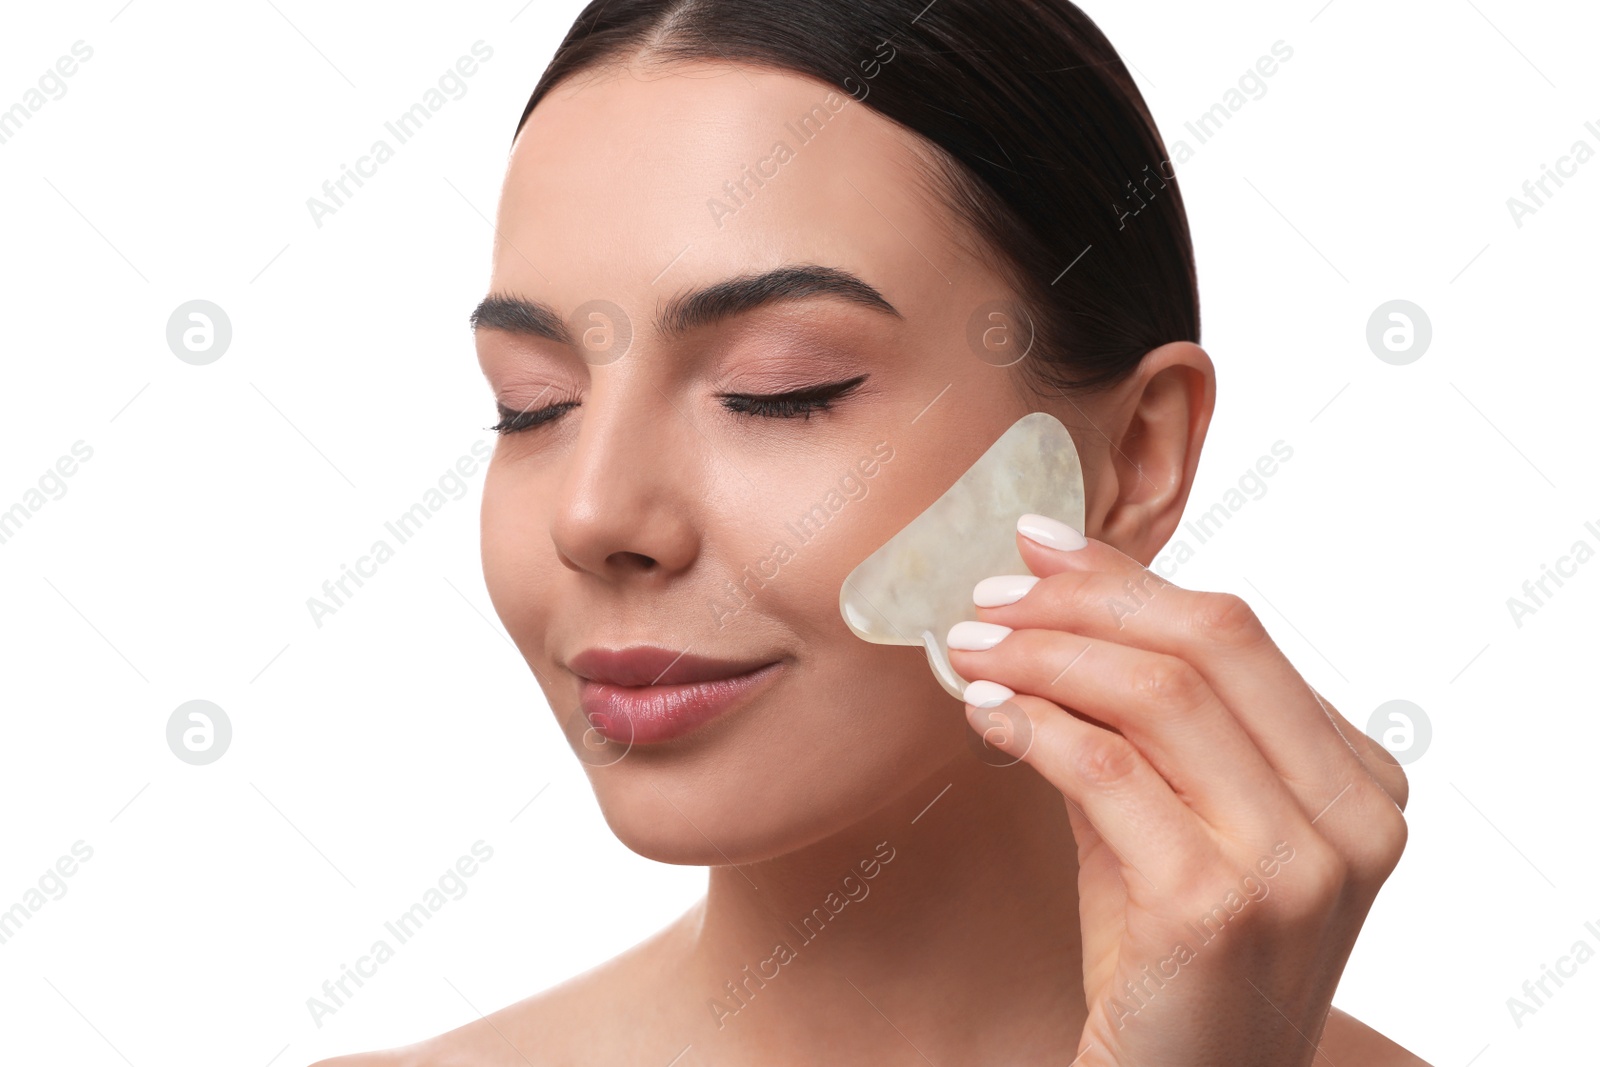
[800, 403]
[517, 421]
[796, 404]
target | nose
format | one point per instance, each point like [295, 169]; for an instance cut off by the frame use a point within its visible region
[625, 503]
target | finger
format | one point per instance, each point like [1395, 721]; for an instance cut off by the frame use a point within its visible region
[1379, 761]
[1158, 702]
[1352, 800]
[1158, 839]
[1099, 591]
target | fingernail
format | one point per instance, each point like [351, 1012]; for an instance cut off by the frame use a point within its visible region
[1050, 533]
[986, 694]
[970, 636]
[1002, 589]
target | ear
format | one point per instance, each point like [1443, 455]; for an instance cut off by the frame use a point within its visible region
[1157, 424]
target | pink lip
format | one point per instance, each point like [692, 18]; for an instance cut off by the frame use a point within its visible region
[644, 694]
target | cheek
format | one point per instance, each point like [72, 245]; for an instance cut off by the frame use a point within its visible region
[786, 557]
[515, 545]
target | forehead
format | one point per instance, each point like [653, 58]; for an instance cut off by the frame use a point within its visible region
[632, 184]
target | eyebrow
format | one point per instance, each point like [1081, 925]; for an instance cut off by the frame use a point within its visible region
[700, 307]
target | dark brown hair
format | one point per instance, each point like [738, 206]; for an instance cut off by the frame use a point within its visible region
[1044, 145]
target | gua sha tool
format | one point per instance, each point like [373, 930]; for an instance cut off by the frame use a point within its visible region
[919, 584]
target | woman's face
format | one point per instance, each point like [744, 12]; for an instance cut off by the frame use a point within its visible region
[652, 509]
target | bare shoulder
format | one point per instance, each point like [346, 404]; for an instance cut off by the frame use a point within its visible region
[537, 1031]
[567, 1025]
[533, 1032]
[1347, 1039]
[395, 1057]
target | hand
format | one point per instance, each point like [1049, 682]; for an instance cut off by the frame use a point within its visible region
[1232, 828]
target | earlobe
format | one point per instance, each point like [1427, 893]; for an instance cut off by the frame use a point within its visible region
[1163, 417]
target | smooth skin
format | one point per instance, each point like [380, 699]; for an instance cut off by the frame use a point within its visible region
[1017, 898]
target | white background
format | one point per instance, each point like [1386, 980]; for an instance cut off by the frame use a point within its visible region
[369, 754]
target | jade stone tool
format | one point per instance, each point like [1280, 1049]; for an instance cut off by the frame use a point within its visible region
[919, 583]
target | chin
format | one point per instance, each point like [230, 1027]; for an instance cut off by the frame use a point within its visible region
[782, 774]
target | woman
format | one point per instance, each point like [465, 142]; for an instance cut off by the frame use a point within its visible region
[769, 276]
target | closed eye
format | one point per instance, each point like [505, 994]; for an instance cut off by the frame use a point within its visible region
[795, 404]
[798, 403]
[517, 421]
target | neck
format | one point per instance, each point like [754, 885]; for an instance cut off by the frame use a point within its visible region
[950, 913]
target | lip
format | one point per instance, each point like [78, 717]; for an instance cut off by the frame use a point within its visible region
[645, 694]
